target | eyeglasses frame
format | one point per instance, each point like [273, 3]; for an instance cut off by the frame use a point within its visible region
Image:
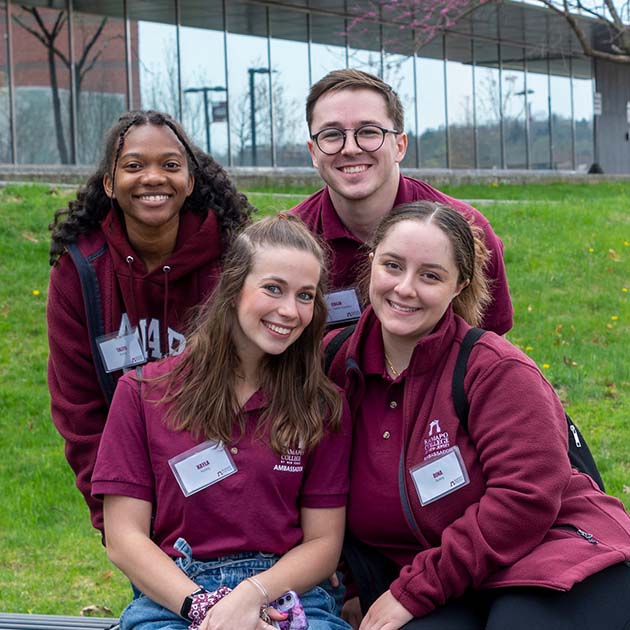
[384, 131]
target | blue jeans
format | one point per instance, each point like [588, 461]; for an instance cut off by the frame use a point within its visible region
[143, 613]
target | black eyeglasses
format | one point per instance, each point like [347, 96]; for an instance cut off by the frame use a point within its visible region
[369, 138]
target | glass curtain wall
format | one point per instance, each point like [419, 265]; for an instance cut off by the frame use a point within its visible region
[487, 104]
[583, 88]
[248, 83]
[514, 102]
[154, 54]
[461, 116]
[100, 79]
[561, 114]
[42, 85]
[398, 71]
[538, 112]
[364, 51]
[430, 82]
[5, 109]
[328, 45]
[204, 84]
[289, 61]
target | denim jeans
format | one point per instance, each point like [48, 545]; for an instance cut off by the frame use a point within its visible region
[144, 614]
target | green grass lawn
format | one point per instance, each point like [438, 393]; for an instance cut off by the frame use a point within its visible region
[567, 250]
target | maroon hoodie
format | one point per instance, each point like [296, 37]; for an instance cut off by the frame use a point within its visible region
[158, 303]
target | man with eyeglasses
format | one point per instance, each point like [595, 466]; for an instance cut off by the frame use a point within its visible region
[357, 142]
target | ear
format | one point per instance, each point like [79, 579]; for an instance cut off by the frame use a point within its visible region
[461, 287]
[401, 147]
[107, 185]
[191, 185]
[311, 149]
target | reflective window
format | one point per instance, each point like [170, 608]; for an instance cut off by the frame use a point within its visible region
[154, 54]
[328, 45]
[583, 89]
[364, 48]
[289, 59]
[42, 86]
[459, 83]
[248, 83]
[538, 111]
[431, 105]
[5, 127]
[514, 102]
[100, 79]
[561, 115]
[204, 86]
[487, 105]
[398, 71]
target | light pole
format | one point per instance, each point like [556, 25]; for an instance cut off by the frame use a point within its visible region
[204, 90]
[252, 106]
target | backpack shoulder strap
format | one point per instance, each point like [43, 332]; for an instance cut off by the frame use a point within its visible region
[333, 346]
[94, 313]
[459, 395]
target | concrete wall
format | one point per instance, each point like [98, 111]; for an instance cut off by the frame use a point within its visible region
[612, 128]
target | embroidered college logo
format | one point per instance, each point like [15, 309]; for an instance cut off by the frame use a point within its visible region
[291, 461]
[436, 440]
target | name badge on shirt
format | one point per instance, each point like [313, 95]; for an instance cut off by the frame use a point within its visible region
[440, 476]
[201, 466]
[121, 351]
[343, 306]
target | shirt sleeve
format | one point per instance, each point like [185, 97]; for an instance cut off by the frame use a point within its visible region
[78, 407]
[518, 427]
[326, 480]
[123, 464]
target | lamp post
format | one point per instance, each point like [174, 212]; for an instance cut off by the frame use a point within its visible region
[204, 90]
[252, 106]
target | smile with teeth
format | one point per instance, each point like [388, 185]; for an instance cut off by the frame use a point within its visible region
[358, 168]
[402, 308]
[161, 197]
[281, 330]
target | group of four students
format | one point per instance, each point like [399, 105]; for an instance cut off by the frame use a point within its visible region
[229, 473]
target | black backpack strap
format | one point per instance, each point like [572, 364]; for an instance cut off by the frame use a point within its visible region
[459, 395]
[94, 313]
[333, 346]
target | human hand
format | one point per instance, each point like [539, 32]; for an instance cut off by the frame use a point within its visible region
[351, 613]
[386, 613]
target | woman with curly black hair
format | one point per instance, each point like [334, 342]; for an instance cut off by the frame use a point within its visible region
[140, 245]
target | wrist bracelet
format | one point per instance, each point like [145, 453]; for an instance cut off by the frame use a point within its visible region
[263, 591]
[201, 601]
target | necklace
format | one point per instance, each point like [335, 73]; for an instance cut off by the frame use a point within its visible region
[392, 369]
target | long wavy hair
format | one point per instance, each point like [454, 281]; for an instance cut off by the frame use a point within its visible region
[213, 188]
[200, 391]
[469, 250]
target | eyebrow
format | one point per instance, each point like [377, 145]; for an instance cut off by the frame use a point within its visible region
[337, 125]
[138, 154]
[427, 265]
[285, 283]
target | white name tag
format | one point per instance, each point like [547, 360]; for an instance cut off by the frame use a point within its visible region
[343, 306]
[440, 476]
[121, 351]
[201, 466]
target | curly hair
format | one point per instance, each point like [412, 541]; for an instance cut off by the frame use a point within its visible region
[213, 187]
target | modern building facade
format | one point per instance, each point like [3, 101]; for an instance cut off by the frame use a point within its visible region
[505, 88]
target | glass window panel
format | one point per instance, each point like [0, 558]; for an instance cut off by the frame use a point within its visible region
[248, 82]
[42, 87]
[154, 53]
[5, 127]
[561, 127]
[364, 48]
[100, 79]
[204, 84]
[583, 89]
[459, 82]
[538, 110]
[487, 105]
[431, 105]
[398, 72]
[514, 92]
[328, 45]
[289, 58]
